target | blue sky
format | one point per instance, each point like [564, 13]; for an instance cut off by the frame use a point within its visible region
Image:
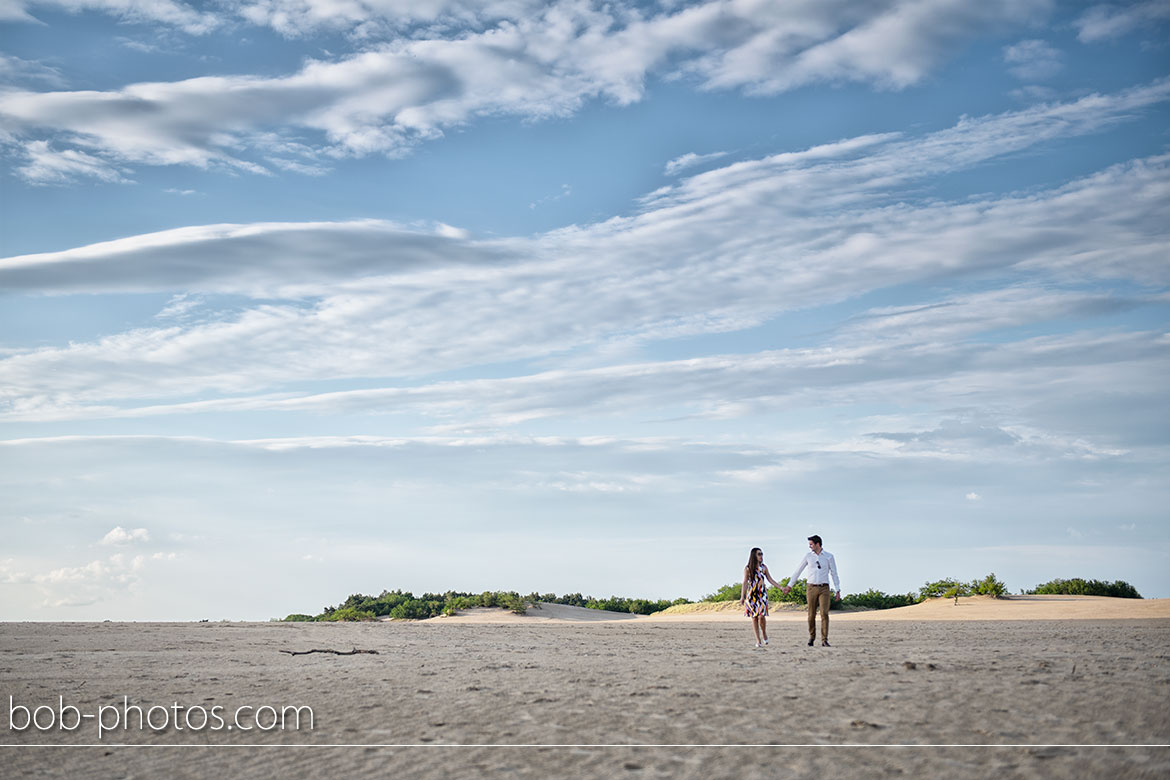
[302, 298]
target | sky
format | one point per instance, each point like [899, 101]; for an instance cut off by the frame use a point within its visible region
[306, 298]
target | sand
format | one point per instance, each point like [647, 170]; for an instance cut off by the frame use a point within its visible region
[1033, 682]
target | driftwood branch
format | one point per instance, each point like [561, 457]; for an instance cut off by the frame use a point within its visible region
[354, 651]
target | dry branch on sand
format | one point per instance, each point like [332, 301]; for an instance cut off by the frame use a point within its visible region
[354, 651]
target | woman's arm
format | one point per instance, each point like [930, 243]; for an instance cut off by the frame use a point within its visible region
[743, 586]
[769, 576]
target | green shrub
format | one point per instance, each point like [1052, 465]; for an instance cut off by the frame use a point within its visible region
[514, 602]
[726, 593]
[875, 599]
[1079, 587]
[988, 586]
[348, 614]
[798, 594]
[933, 590]
[415, 609]
[299, 618]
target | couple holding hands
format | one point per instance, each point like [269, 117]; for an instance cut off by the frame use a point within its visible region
[753, 594]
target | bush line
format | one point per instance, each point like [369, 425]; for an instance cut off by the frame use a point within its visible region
[403, 605]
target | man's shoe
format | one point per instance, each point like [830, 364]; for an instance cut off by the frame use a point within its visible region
[824, 643]
[810, 643]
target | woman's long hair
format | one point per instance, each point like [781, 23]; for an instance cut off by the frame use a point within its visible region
[753, 564]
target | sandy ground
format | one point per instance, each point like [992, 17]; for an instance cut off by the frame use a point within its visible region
[467, 696]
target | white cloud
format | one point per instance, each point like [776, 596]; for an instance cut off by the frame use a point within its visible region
[168, 12]
[701, 257]
[690, 160]
[94, 582]
[1112, 20]
[452, 232]
[974, 497]
[10, 576]
[1032, 60]
[541, 64]
[14, 70]
[1031, 93]
[45, 165]
[120, 535]
[373, 18]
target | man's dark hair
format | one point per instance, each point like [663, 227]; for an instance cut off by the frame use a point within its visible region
[817, 539]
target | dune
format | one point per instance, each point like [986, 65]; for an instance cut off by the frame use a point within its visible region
[1022, 608]
[542, 612]
[968, 608]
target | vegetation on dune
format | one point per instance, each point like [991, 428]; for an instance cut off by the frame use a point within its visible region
[953, 589]
[1079, 587]
[875, 599]
[403, 605]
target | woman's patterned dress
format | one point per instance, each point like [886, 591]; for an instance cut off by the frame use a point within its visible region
[757, 596]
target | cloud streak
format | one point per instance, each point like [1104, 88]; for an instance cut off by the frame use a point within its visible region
[540, 64]
[700, 257]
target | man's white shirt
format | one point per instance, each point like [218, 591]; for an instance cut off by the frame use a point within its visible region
[820, 567]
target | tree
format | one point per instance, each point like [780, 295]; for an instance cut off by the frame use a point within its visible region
[956, 590]
[933, 590]
[988, 586]
[726, 593]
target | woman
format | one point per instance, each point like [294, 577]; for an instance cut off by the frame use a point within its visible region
[753, 594]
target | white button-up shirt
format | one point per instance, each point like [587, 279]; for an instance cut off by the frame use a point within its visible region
[820, 567]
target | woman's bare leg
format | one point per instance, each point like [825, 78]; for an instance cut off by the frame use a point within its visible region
[756, 628]
[764, 627]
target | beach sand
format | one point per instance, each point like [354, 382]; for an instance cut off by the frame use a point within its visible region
[1032, 681]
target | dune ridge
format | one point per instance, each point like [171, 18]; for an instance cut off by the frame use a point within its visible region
[967, 608]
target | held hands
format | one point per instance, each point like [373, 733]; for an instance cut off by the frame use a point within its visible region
[837, 595]
[785, 590]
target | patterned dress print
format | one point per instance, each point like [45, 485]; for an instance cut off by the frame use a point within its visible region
[757, 596]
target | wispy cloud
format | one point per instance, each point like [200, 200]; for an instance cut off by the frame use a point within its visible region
[1033, 60]
[14, 70]
[338, 293]
[1109, 21]
[565, 192]
[546, 63]
[45, 165]
[169, 12]
[690, 160]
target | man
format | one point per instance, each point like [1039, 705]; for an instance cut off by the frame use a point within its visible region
[821, 565]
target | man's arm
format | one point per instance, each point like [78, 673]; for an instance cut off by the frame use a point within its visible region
[833, 574]
[795, 574]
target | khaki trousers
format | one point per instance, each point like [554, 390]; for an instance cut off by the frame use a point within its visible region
[818, 598]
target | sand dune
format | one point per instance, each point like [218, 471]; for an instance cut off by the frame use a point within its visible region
[1023, 608]
[970, 608]
[538, 613]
